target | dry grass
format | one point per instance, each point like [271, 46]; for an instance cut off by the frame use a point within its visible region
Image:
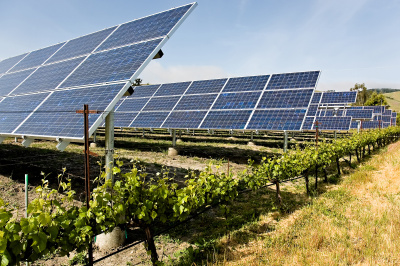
[356, 222]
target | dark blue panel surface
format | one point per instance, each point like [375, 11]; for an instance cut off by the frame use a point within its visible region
[339, 97]
[161, 103]
[226, 119]
[253, 83]
[393, 121]
[144, 91]
[354, 125]
[386, 118]
[237, 100]
[308, 123]
[206, 86]
[113, 65]
[13, 110]
[394, 114]
[150, 27]
[36, 58]
[331, 112]
[377, 109]
[8, 63]
[81, 46]
[8, 82]
[370, 124]
[312, 110]
[385, 125]
[293, 80]
[123, 119]
[316, 97]
[377, 117]
[172, 89]
[57, 115]
[196, 102]
[132, 105]
[48, 77]
[333, 123]
[387, 112]
[277, 119]
[359, 114]
[285, 99]
[185, 119]
[149, 119]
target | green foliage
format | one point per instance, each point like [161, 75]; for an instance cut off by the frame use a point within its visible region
[376, 99]
[55, 225]
[363, 93]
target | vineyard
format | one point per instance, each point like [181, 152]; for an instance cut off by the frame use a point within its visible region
[55, 224]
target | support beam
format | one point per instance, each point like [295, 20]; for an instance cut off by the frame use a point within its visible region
[109, 145]
[335, 134]
[2, 139]
[62, 144]
[27, 141]
[251, 136]
[173, 133]
[285, 141]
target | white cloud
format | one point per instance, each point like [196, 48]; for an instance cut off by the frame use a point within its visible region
[155, 73]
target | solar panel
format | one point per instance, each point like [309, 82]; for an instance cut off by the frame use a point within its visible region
[394, 114]
[293, 80]
[333, 123]
[340, 97]
[387, 112]
[377, 109]
[94, 69]
[316, 97]
[354, 125]
[234, 103]
[359, 114]
[308, 123]
[393, 121]
[370, 124]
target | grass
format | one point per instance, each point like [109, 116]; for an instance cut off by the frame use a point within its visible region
[354, 222]
[393, 100]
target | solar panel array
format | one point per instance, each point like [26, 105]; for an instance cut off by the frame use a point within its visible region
[265, 102]
[41, 90]
[318, 108]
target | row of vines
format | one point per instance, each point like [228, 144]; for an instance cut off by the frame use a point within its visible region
[55, 225]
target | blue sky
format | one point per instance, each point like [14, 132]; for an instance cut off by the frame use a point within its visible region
[350, 41]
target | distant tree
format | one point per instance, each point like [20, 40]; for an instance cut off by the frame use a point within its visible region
[138, 82]
[376, 99]
[363, 93]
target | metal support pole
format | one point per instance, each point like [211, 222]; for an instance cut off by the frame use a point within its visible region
[334, 134]
[173, 133]
[26, 201]
[252, 136]
[109, 139]
[94, 136]
[285, 141]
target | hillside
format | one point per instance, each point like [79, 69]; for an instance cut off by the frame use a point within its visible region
[393, 99]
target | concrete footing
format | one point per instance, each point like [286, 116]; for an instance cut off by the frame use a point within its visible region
[172, 152]
[250, 143]
[179, 141]
[110, 240]
[93, 145]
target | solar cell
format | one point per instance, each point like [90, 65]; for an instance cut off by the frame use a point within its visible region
[293, 80]
[354, 125]
[253, 83]
[386, 118]
[47, 77]
[56, 116]
[285, 99]
[377, 109]
[111, 65]
[339, 97]
[359, 114]
[393, 121]
[144, 91]
[316, 97]
[244, 100]
[172, 89]
[235, 119]
[333, 123]
[146, 28]
[312, 110]
[370, 124]
[124, 119]
[36, 58]
[13, 110]
[394, 114]
[331, 112]
[8, 63]
[277, 119]
[161, 103]
[185, 119]
[8, 82]
[81, 46]
[196, 102]
[206, 86]
[132, 105]
[308, 123]
[387, 112]
[149, 119]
